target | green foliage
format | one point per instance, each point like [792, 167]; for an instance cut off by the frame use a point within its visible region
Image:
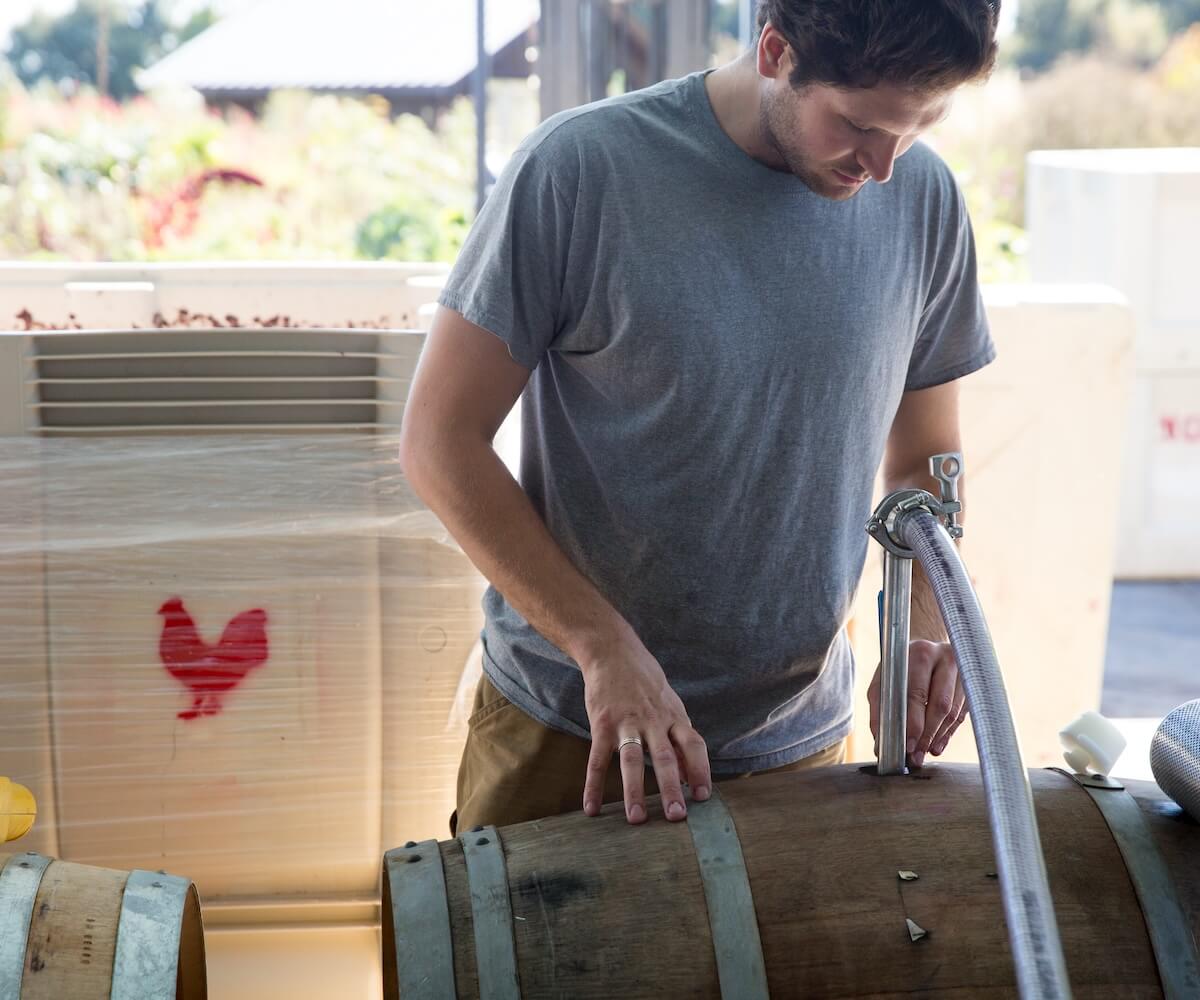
[1133, 31]
[1181, 13]
[1090, 102]
[64, 50]
[201, 20]
[408, 231]
[86, 179]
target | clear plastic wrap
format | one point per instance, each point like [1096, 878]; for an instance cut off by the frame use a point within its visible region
[231, 656]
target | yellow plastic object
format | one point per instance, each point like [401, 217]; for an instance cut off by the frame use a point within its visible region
[17, 810]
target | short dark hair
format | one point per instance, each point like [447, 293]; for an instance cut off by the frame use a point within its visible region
[926, 44]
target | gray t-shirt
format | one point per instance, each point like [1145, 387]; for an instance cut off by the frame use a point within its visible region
[717, 354]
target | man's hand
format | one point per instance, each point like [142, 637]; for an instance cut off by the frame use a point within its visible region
[626, 694]
[937, 704]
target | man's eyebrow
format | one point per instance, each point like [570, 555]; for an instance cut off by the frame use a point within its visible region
[920, 127]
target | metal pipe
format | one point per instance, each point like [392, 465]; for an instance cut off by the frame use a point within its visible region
[746, 36]
[1028, 907]
[479, 89]
[893, 674]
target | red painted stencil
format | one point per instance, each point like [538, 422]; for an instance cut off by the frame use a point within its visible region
[210, 671]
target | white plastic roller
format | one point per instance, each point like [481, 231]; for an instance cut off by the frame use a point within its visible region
[1092, 744]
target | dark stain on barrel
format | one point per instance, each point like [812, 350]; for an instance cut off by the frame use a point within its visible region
[35, 963]
[553, 889]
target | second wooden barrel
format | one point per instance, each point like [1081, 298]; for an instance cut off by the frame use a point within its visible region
[853, 886]
[74, 932]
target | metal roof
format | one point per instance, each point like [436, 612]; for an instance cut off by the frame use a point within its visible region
[383, 45]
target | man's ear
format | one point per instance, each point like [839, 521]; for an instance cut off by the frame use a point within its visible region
[774, 54]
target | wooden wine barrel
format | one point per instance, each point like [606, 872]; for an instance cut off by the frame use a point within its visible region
[825, 883]
[73, 932]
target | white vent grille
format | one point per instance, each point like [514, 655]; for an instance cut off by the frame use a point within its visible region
[212, 381]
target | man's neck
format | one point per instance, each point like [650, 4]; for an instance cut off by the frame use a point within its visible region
[735, 95]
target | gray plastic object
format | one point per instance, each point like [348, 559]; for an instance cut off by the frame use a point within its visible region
[1175, 756]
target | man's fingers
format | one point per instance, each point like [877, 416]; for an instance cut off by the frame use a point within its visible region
[940, 706]
[666, 772]
[952, 721]
[693, 751]
[597, 770]
[633, 779]
[940, 745]
[873, 706]
[920, 669]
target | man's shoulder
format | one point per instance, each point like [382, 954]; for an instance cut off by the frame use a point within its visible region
[923, 163]
[602, 125]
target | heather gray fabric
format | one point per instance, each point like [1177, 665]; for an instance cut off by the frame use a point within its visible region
[718, 354]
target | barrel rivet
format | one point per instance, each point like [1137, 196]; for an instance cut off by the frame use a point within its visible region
[481, 841]
[412, 858]
[477, 829]
[410, 845]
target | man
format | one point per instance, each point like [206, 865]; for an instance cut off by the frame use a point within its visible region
[727, 299]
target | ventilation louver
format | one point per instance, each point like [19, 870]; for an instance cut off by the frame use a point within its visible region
[213, 381]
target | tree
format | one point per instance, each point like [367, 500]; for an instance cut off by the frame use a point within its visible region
[1181, 14]
[1134, 31]
[65, 48]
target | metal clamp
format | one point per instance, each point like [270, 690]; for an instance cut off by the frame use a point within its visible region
[947, 470]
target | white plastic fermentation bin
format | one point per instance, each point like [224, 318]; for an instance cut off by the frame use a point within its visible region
[1043, 467]
[1129, 218]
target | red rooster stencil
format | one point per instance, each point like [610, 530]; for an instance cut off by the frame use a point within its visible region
[210, 671]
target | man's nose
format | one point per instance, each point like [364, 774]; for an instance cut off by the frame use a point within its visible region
[878, 158]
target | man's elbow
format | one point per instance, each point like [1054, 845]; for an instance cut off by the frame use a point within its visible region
[415, 451]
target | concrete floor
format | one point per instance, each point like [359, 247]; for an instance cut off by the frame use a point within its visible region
[1153, 659]
[1152, 664]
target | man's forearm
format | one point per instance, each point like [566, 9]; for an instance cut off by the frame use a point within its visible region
[464, 482]
[926, 618]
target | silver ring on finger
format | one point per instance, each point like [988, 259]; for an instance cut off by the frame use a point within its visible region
[629, 739]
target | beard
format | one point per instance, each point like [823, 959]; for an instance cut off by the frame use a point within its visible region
[774, 123]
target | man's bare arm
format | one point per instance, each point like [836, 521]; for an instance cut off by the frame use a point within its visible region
[465, 385]
[926, 424]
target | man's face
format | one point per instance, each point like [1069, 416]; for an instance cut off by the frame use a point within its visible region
[836, 141]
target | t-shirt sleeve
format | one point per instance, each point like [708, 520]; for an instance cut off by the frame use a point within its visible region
[953, 339]
[510, 273]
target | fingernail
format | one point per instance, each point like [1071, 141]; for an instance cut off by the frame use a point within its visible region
[700, 793]
[938, 750]
[675, 810]
[590, 808]
[636, 814]
[911, 746]
[918, 759]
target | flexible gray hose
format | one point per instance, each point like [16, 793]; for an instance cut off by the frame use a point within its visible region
[1028, 908]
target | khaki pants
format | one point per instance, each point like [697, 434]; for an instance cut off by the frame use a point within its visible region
[515, 769]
